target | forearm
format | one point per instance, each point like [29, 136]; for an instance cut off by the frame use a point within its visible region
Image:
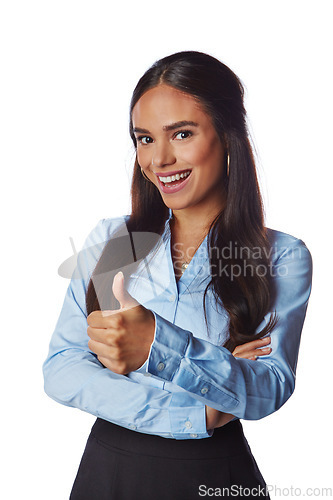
[249, 389]
[76, 378]
[245, 388]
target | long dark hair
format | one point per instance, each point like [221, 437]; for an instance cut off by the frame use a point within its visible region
[247, 294]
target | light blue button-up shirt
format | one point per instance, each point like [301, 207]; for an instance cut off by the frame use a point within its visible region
[187, 368]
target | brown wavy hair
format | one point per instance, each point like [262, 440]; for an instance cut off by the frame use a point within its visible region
[247, 298]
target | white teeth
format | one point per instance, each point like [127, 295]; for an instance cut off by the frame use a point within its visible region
[175, 177]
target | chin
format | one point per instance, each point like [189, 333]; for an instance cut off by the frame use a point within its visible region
[174, 205]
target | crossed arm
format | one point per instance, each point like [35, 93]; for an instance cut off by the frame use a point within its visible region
[93, 377]
[122, 341]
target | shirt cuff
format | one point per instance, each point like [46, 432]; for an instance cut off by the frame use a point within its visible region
[176, 356]
[187, 422]
[167, 349]
[144, 367]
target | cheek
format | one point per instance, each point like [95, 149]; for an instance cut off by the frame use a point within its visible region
[195, 156]
[208, 154]
[144, 157]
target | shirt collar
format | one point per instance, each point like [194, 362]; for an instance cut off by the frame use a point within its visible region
[167, 229]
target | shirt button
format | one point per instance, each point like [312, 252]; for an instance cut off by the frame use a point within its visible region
[204, 390]
[160, 366]
[172, 298]
[188, 424]
[132, 427]
[147, 374]
[193, 435]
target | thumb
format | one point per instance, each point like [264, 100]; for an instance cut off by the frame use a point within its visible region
[121, 294]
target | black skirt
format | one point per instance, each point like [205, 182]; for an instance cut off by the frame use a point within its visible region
[120, 464]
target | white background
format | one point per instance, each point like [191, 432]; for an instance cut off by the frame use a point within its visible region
[68, 69]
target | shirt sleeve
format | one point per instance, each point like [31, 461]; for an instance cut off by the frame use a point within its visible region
[246, 388]
[74, 377]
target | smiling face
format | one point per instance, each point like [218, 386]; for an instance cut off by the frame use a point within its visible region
[177, 142]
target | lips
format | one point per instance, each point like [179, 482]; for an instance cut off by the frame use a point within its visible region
[176, 185]
[173, 172]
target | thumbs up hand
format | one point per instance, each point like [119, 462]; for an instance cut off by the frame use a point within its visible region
[125, 300]
[122, 338]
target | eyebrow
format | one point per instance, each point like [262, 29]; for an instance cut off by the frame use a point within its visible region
[167, 128]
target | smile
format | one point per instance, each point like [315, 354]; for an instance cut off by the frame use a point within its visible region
[167, 180]
[175, 182]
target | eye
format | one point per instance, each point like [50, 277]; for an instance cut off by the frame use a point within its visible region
[183, 134]
[144, 139]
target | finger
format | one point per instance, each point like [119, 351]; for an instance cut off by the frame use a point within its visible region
[103, 360]
[115, 366]
[100, 349]
[265, 340]
[256, 356]
[109, 336]
[112, 354]
[253, 344]
[263, 352]
[253, 354]
[96, 333]
[96, 319]
[105, 319]
[121, 294]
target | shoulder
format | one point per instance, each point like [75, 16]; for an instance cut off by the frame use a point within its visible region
[291, 270]
[104, 229]
[95, 242]
[289, 255]
[284, 244]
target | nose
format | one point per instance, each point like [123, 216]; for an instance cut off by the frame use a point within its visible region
[163, 155]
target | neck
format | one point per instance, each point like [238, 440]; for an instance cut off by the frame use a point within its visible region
[193, 221]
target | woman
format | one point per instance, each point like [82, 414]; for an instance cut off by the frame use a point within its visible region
[173, 350]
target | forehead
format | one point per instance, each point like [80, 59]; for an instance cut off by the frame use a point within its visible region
[163, 104]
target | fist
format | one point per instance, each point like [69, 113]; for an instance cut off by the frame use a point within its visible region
[121, 339]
